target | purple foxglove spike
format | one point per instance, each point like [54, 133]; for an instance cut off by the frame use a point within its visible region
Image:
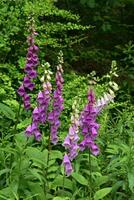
[28, 131]
[74, 152]
[54, 139]
[50, 116]
[40, 97]
[36, 114]
[82, 145]
[71, 131]
[88, 124]
[26, 80]
[94, 149]
[27, 83]
[46, 92]
[37, 135]
[21, 91]
[93, 132]
[28, 69]
[57, 123]
[85, 130]
[32, 73]
[29, 54]
[26, 98]
[76, 138]
[91, 96]
[31, 62]
[43, 118]
[35, 48]
[53, 130]
[67, 165]
[27, 105]
[34, 126]
[67, 143]
[31, 86]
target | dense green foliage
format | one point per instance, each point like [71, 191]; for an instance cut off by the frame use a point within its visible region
[91, 34]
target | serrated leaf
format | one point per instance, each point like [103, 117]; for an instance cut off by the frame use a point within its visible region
[79, 178]
[7, 111]
[102, 193]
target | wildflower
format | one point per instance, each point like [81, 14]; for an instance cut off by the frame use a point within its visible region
[39, 114]
[31, 63]
[104, 100]
[67, 164]
[57, 105]
[70, 142]
[89, 125]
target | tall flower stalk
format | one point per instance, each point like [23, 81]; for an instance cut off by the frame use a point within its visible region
[89, 126]
[40, 112]
[30, 69]
[71, 140]
[57, 105]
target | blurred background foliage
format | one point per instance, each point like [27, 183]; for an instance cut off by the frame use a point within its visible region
[91, 33]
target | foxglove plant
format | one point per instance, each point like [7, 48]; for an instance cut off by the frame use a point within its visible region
[70, 142]
[89, 126]
[104, 100]
[30, 70]
[57, 105]
[39, 114]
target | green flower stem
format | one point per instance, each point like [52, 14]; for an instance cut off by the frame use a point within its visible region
[15, 131]
[63, 180]
[90, 176]
[48, 158]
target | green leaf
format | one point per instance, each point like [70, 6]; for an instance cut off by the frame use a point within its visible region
[54, 154]
[58, 182]
[131, 180]
[37, 156]
[80, 179]
[102, 193]
[7, 111]
[3, 171]
[101, 180]
[24, 123]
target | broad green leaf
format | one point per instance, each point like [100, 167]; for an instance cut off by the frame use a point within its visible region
[101, 180]
[80, 179]
[37, 190]
[58, 182]
[37, 156]
[54, 154]
[53, 169]
[102, 193]
[131, 180]
[36, 174]
[7, 111]
[20, 139]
